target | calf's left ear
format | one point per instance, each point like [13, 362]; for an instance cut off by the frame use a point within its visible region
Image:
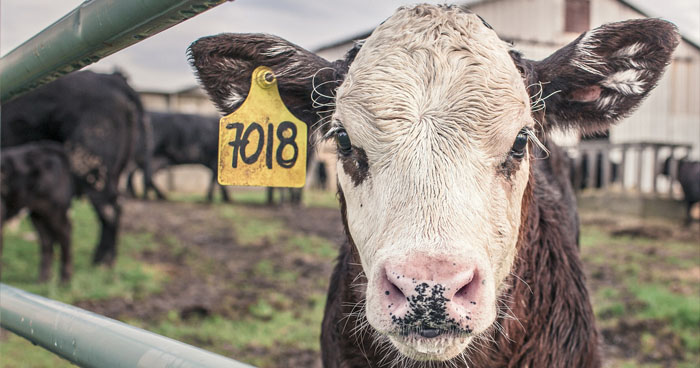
[603, 75]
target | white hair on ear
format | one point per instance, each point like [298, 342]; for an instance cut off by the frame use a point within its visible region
[586, 59]
[629, 51]
[233, 99]
[279, 49]
[627, 82]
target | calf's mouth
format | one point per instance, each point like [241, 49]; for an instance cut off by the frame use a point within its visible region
[431, 344]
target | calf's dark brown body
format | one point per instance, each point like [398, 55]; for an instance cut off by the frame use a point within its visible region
[555, 323]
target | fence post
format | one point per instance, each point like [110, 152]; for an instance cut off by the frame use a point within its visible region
[605, 161]
[640, 160]
[623, 165]
[654, 168]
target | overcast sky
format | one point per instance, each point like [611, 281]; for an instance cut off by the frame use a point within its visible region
[159, 62]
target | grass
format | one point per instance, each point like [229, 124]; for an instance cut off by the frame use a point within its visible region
[320, 198]
[662, 304]
[251, 229]
[16, 352]
[313, 245]
[265, 328]
[129, 278]
[635, 283]
[258, 195]
[274, 322]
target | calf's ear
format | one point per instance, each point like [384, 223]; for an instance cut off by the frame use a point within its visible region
[603, 75]
[224, 64]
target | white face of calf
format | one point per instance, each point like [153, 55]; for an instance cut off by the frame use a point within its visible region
[432, 120]
[432, 182]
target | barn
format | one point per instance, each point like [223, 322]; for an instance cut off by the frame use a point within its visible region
[190, 100]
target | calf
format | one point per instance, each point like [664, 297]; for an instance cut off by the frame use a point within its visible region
[462, 232]
[37, 176]
[180, 139]
[97, 118]
[689, 177]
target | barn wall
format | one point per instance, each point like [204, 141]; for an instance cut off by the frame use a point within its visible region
[539, 22]
[336, 52]
[191, 102]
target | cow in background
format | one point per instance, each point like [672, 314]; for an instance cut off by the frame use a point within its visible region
[97, 118]
[37, 176]
[180, 139]
[689, 178]
[292, 196]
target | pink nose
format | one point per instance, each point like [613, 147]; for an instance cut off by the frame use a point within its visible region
[429, 295]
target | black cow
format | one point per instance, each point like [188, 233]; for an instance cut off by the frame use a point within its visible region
[37, 176]
[180, 139]
[689, 177]
[97, 118]
[287, 195]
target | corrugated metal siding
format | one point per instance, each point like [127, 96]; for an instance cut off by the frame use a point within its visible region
[524, 19]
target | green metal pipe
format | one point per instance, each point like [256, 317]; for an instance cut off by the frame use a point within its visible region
[93, 30]
[90, 340]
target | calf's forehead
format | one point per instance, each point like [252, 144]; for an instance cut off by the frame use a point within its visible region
[438, 67]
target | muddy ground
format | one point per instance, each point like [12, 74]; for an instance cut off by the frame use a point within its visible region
[211, 273]
[636, 257]
[224, 280]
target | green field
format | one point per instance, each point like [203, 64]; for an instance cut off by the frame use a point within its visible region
[249, 282]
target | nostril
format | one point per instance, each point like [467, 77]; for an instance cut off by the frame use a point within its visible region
[462, 292]
[393, 293]
[392, 290]
[467, 286]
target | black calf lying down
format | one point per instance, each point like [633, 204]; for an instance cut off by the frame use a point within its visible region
[37, 176]
[180, 139]
[689, 177]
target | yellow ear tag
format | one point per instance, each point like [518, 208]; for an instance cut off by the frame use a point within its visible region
[262, 143]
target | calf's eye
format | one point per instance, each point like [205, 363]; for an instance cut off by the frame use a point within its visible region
[343, 141]
[518, 149]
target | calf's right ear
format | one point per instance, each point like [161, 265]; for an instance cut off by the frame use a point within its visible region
[603, 75]
[224, 64]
